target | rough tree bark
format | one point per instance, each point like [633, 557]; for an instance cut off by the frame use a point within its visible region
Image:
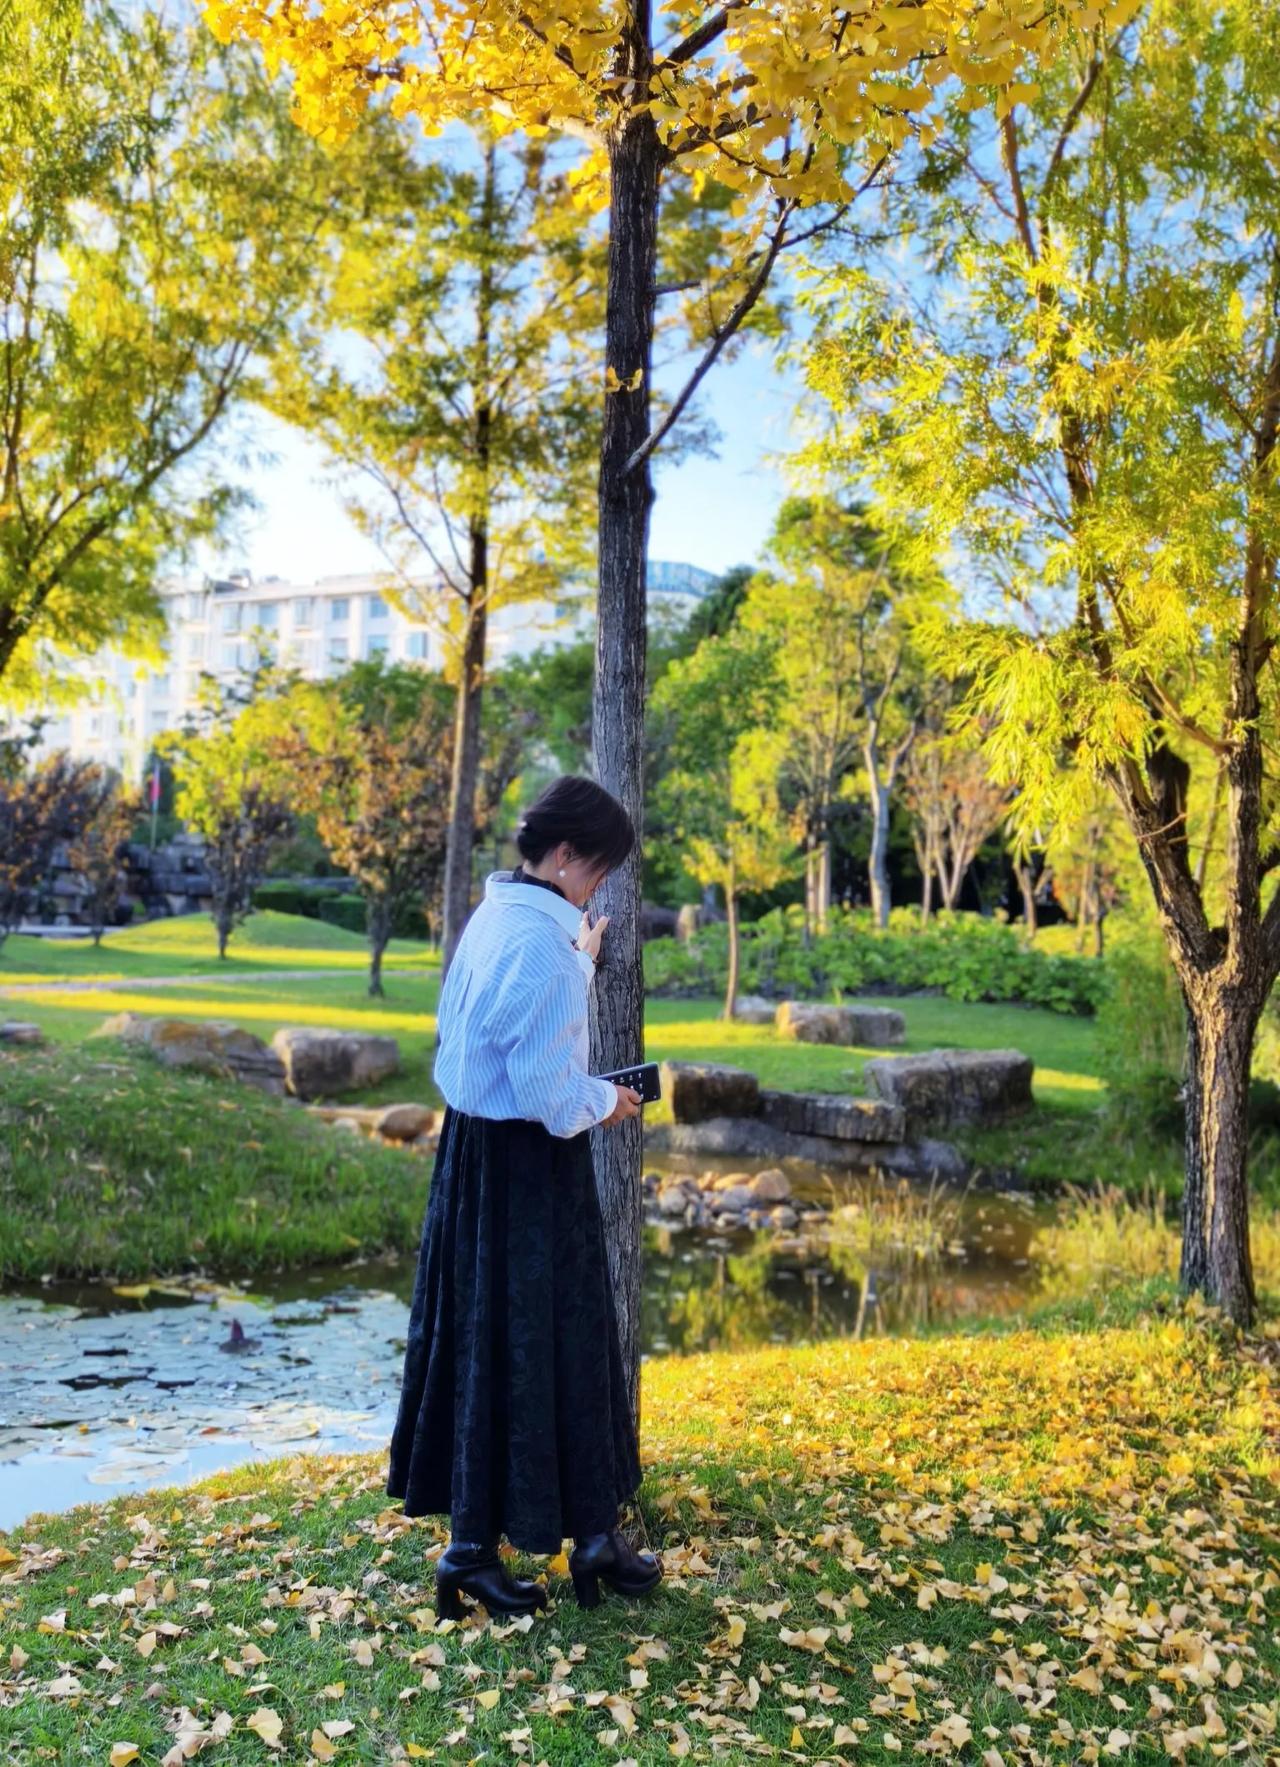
[625, 501]
[466, 755]
[731, 910]
[378, 927]
[466, 733]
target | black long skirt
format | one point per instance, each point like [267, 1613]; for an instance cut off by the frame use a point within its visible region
[513, 1414]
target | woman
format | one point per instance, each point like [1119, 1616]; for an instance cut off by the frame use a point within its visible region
[514, 1414]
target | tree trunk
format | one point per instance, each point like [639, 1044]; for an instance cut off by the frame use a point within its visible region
[824, 884]
[731, 909]
[466, 730]
[625, 500]
[378, 924]
[1221, 1024]
[466, 760]
[222, 924]
[878, 862]
[1026, 883]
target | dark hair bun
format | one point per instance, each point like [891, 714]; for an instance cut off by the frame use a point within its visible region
[582, 815]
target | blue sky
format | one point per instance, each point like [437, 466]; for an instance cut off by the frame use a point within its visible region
[710, 512]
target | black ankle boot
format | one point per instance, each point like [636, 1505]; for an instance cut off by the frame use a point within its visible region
[611, 1558]
[478, 1571]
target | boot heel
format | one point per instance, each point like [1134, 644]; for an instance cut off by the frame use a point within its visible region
[448, 1602]
[586, 1586]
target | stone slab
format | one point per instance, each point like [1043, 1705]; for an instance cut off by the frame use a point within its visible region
[751, 1137]
[947, 1086]
[831, 1113]
[697, 1090]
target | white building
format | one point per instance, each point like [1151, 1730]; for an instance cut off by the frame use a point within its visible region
[224, 626]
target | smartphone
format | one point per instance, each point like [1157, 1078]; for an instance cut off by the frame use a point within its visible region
[643, 1078]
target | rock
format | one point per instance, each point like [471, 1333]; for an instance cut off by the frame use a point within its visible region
[23, 1035]
[736, 1199]
[770, 1186]
[367, 1120]
[318, 1063]
[830, 1113]
[672, 1200]
[405, 1122]
[751, 1138]
[698, 1090]
[211, 1046]
[657, 922]
[727, 1181]
[876, 1027]
[349, 1125]
[955, 1085]
[782, 1216]
[753, 1009]
[812, 1024]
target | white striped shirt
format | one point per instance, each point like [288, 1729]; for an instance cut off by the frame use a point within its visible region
[512, 1018]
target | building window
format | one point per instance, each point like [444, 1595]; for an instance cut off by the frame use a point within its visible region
[378, 609]
[418, 647]
[378, 643]
[229, 656]
[339, 609]
[159, 686]
[195, 647]
[304, 612]
[229, 618]
[339, 650]
[267, 616]
[194, 606]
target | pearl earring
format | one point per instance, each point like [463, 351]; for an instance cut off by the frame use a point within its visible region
[562, 871]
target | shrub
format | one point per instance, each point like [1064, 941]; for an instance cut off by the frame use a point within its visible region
[960, 955]
[288, 898]
[344, 911]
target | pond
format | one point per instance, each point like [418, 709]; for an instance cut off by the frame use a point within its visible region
[104, 1390]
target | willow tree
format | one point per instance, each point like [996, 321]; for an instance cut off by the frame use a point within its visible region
[1091, 410]
[789, 107]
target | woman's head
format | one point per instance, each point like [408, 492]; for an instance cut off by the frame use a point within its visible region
[575, 828]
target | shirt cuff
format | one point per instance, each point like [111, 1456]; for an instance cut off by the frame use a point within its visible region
[612, 1105]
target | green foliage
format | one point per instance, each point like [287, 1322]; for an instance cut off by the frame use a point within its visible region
[156, 204]
[965, 957]
[1142, 1031]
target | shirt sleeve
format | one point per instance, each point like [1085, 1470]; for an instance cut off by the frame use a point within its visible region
[548, 1078]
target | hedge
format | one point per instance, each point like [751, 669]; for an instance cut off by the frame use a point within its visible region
[963, 956]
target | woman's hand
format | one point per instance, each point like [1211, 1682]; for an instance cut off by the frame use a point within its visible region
[628, 1105]
[589, 937]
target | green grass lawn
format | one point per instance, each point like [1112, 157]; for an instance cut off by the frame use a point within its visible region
[1063, 1048]
[108, 1164]
[186, 945]
[1043, 1546]
[111, 1165]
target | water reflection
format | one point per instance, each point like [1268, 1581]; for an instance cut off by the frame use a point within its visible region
[103, 1391]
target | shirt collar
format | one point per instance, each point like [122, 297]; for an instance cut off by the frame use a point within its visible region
[502, 888]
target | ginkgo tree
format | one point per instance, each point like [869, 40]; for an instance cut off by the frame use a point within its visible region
[788, 105]
[1090, 408]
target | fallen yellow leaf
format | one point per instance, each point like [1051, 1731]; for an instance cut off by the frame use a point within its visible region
[266, 1724]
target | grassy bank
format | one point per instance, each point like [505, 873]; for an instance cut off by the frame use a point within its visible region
[1042, 1546]
[111, 1165]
